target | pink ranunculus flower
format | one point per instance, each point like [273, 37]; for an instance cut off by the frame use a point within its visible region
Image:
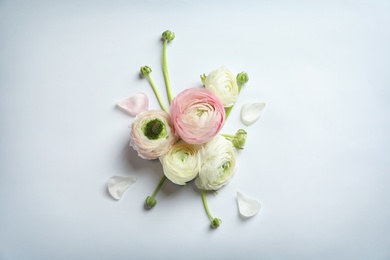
[197, 115]
[152, 134]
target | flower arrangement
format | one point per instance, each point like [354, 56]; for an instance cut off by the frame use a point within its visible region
[186, 137]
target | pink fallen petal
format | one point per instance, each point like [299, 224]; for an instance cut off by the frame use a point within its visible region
[135, 104]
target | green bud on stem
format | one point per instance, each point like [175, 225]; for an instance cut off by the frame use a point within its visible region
[168, 35]
[240, 139]
[203, 78]
[216, 222]
[145, 71]
[242, 78]
[150, 202]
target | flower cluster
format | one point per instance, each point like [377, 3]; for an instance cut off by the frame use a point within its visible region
[187, 140]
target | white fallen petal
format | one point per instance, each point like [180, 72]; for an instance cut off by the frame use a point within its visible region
[247, 207]
[135, 104]
[117, 185]
[250, 112]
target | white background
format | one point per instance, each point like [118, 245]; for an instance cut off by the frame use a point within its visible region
[318, 160]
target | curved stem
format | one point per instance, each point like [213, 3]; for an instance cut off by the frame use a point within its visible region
[206, 206]
[150, 201]
[163, 179]
[165, 71]
[156, 93]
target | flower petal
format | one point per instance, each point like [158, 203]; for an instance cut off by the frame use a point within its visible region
[248, 207]
[250, 112]
[117, 185]
[135, 104]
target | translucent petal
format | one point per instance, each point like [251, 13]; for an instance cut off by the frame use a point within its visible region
[250, 112]
[117, 185]
[135, 104]
[247, 207]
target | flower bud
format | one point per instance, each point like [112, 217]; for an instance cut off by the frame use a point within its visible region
[216, 222]
[168, 35]
[150, 202]
[203, 78]
[242, 78]
[145, 71]
[239, 139]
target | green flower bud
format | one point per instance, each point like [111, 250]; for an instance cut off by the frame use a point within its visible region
[203, 78]
[242, 78]
[168, 35]
[239, 139]
[216, 222]
[145, 71]
[150, 202]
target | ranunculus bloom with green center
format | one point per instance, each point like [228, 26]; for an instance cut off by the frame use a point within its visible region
[151, 134]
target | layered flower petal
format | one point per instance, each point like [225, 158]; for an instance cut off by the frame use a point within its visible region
[181, 163]
[250, 112]
[197, 115]
[247, 207]
[136, 104]
[117, 185]
[218, 164]
[223, 84]
[152, 134]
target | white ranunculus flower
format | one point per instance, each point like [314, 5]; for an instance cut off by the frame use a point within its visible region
[218, 164]
[223, 84]
[152, 134]
[181, 163]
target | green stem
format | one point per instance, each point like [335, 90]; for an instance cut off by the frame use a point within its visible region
[214, 222]
[163, 179]
[165, 71]
[156, 93]
[206, 206]
[229, 137]
[150, 201]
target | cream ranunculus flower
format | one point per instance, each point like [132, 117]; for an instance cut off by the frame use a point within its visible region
[152, 134]
[218, 164]
[181, 163]
[223, 84]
